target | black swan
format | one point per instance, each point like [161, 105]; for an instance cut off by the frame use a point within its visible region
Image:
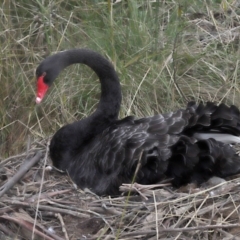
[101, 152]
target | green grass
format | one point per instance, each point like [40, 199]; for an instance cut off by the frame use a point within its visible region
[166, 53]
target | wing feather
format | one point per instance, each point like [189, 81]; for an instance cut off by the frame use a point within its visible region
[164, 147]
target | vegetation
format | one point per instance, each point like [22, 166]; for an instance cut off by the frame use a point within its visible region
[165, 52]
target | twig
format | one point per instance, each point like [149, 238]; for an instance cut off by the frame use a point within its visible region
[47, 195]
[139, 86]
[47, 208]
[111, 210]
[6, 209]
[132, 188]
[59, 216]
[5, 230]
[141, 187]
[179, 229]
[40, 191]
[156, 214]
[62, 206]
[21, 172]
[194, 215]
[26, 225]
[3, 162]
[64, 211]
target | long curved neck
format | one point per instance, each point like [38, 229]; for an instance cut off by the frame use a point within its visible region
[110, 101]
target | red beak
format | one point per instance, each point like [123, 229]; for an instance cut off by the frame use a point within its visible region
[42, 88]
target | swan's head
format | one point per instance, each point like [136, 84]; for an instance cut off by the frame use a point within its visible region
[42, 88]
[46, 73]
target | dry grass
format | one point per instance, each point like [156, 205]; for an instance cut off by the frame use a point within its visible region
[165, 54]
[45, 204]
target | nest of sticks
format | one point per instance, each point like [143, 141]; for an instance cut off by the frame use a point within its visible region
[39, 202]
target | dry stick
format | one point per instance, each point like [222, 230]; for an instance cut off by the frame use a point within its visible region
[5, 210]
[141, 189]
[26, 225]
[62, 206]
[236, 209]
[46, 208]
[139, 86]
[187, 196]
[21, 172]
[5, 230]
[180, 229]
[129, 215]
[59, 216]
[156, 213]
[193, 216]
[132, 187]
[111, 210]
[129, 193]
[3, 162]
[40, 191]
[64, 211]
[48, 195]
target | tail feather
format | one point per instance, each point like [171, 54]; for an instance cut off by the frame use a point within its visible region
[222, 112]
[182, 162]
[202, 160]
[212, 118]
[195, 153]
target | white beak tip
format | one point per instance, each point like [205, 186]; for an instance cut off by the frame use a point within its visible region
[38, 100]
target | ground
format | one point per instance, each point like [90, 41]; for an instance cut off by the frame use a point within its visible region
[48, 203]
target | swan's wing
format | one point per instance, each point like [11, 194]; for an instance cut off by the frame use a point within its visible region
[127, 143]
[213, 118]
[111, 158]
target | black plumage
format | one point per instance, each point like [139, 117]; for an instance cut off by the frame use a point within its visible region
[101, 152]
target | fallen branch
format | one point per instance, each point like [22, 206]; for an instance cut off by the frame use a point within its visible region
[21, 172]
